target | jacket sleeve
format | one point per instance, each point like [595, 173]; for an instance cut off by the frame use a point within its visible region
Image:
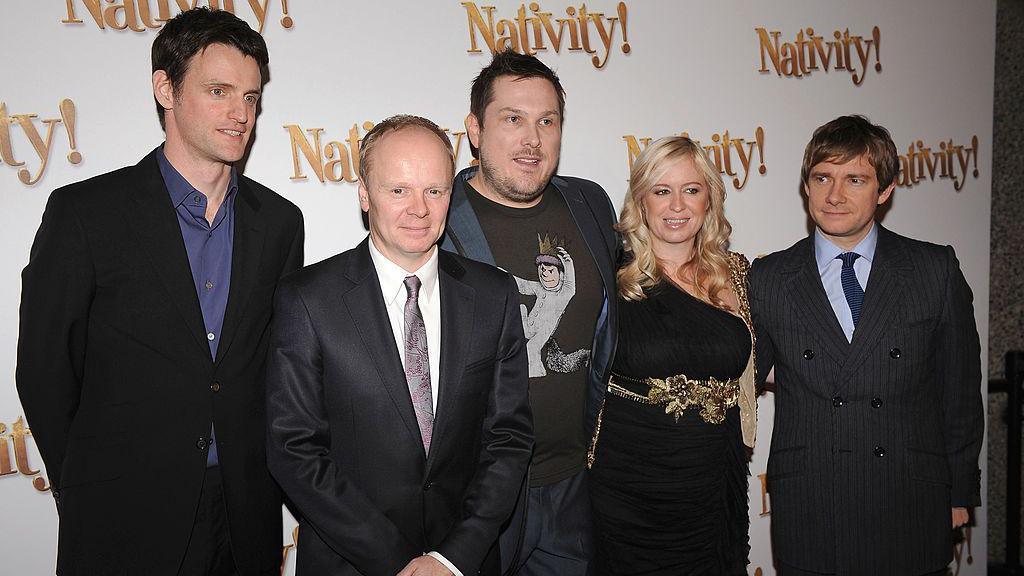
[507, 444]
[299, 449]
[57, 290]
[959, 353]
[296, 251]
[764, 352]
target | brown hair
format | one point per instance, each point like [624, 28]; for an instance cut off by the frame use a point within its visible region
[848, 137]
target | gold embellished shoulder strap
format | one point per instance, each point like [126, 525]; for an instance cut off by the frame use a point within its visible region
[738, 268]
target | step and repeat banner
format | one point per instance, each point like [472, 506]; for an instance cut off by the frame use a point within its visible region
[749, 80]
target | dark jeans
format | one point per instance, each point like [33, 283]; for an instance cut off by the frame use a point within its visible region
[209, 546]
[557, 539]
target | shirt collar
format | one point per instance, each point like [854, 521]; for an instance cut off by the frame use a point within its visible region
[825, 251]
[178, 187]
[392, 276]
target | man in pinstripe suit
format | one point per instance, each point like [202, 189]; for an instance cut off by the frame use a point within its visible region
[878, 409]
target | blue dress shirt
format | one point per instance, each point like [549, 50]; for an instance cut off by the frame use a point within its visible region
[830, 269]
[209, 248]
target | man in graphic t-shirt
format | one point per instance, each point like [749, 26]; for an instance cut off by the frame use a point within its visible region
[554, 234]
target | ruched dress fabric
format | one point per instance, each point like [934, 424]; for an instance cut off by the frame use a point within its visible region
[670, 497]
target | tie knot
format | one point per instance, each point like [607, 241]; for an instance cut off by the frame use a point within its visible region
[412, 287]
[847, 258]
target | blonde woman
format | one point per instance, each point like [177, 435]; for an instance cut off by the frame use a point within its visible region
[668, 460]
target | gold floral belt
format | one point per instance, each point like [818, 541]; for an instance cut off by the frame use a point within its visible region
[678, 393]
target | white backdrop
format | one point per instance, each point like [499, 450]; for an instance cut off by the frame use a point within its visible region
[755, 77]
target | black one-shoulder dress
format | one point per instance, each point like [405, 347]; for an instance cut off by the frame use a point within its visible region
[670, 497]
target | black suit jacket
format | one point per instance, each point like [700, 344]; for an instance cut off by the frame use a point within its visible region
[116, 379]
[343, 440]
[875, 440]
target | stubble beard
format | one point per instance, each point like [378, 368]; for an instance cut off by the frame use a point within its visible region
[507, 187]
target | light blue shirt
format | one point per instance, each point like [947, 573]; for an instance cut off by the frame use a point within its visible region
[830, 269]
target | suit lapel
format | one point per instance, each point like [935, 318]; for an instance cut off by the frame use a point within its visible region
[463, 225]
[590, 231]
[812, 303]
[246, 252]
[152, 216]
[885, 285]
[365, 305]
[456, 331]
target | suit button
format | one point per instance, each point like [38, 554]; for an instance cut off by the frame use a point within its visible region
[879, 451]
[876, 402]
[201, 443]
[895, 353]
[428, 486]
[808, 354]
[837, 401]
[56, 494]
[215, 386]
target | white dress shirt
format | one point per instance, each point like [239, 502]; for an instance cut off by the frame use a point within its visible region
[831, 271]
[392, 286]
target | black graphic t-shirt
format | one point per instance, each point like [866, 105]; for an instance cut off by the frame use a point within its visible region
[561, 295]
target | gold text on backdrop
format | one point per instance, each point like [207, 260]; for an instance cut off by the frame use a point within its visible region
[809, 52]
[337, 160]
[947, 160]
[139, 15]
[16, 440]
[765, 508]
[41, 145]
[287, 548]
[532, 32]
[733, 156]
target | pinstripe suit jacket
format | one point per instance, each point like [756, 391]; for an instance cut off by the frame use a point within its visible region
[876, 439]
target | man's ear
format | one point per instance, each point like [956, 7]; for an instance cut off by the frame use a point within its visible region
[885, 194]
[163, 91]
[473, 130]
[364, 197]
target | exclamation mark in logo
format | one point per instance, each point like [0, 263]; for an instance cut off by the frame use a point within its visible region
[974, 146]
[286, 21]
[877, 34]
[67, 114]
[759, 138]
[625, 29]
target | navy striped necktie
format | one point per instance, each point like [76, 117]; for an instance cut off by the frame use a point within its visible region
[851, 287]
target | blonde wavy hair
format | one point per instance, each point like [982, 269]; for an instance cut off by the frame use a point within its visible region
[709, 263]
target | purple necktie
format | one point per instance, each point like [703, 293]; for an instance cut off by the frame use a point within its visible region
[417, 363]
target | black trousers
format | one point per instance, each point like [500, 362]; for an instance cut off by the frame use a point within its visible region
[209, 546]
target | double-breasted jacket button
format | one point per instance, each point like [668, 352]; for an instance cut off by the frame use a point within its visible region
[215, 386]
[876, 402]
[808, 354]
[201, 443]
[837, 401]
[879, 451]
[895, 353]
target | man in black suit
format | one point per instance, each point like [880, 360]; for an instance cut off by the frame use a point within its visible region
[397, 383]
[878, 412]
[144, 315]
